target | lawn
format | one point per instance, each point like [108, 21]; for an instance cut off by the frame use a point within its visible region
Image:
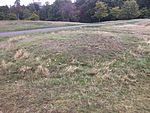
[102, 69]
[28, 25]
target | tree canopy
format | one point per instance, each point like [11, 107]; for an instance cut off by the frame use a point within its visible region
[81, 10]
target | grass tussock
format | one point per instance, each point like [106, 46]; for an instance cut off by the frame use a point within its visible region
[42, 70]
[5, 65]
[25, 69]
[21, 54]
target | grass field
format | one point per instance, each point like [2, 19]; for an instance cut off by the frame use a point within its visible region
[27, 25]
[88, 70]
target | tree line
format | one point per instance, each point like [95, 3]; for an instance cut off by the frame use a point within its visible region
[79, 11]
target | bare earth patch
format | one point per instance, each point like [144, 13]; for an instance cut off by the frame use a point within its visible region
[90, 45]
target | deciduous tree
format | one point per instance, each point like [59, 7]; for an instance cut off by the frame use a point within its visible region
[101, 10]
[130, 9]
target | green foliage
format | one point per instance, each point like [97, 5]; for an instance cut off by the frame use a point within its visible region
[4, 11]
[11, 16]
[101, 10]
[34, 16]
[63, 10]
[33, 7]
[115, 13]
[81, 10]
[86, 10]
[113, 3]
[45, 12]
[130, 10]
[145, 13]
[143, 3]
[26, 13]
[2, 16]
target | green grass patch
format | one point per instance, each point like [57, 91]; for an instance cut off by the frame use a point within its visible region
[83, 70]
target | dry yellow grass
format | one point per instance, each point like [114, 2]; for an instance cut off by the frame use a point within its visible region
[42, 70]
[21, 54]
[89, 70]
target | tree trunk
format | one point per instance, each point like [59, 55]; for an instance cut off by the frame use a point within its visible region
[18, 16]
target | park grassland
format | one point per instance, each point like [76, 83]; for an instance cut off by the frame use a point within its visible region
[88, 70]
[6, 26]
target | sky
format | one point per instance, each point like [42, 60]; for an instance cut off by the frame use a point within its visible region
[25, 2]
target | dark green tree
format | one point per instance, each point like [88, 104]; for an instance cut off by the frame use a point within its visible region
[63, 10]
[143, 3]
[17, 8]
[2, 16]
[113, 3]
[26, 13]
[4, 11]
[145, 13]
[45, 12]
[86, 10]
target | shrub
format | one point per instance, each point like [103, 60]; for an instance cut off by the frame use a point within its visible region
[2, 16]
[11, 16]
[34, 16]
[115, 13]
[145, 13]
[130, 10]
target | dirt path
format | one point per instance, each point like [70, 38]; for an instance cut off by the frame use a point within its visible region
[13, 33]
